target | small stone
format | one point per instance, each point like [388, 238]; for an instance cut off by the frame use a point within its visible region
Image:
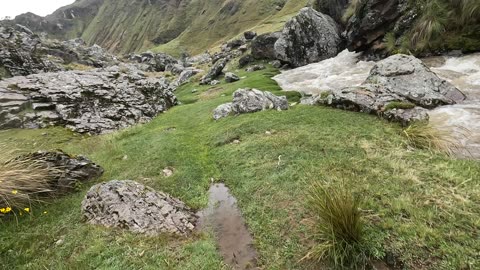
[125, 157]
[59, 242]
[236, 142]
[214, 82]
[231, 77]
[194, 91]
[268, 133]
[167, 172]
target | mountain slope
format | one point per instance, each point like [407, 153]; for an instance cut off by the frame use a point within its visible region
[124, 26]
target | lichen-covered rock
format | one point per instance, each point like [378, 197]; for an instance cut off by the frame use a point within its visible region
[223, 110]
[263, 46]
[156, 62]
[185, 76]
[135, 207]
[250, 101]
[214, 72]
[307, 38]
[67, 170]
[95, 101]
[231, 77]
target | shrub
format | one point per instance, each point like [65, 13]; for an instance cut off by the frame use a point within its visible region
[338, 225]
[424, 135]
[22, 181]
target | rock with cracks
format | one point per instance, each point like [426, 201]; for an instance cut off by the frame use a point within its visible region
[96, 101]
[250, 101]
[135, 207]
[400, 88]
[307, 38]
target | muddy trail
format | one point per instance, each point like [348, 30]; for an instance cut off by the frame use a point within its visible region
[223, 217]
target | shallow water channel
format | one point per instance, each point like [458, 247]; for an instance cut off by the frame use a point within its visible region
[224, 218]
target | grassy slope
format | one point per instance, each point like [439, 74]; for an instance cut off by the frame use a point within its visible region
[126, 26]
[421, 206]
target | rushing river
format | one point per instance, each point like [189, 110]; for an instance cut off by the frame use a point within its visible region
[463, 120]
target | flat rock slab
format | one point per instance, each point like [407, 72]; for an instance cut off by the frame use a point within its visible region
[133, 206]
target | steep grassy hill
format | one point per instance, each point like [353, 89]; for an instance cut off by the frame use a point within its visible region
[171, 25]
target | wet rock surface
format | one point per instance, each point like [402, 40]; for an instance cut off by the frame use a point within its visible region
[135, 207]
[307, 38]
[250, 101]
[399, 88]
[96, 101]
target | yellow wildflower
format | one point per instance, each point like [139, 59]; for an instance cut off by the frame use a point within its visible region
[27, 209]
[14, 192]
[5, 210]
[45, 212]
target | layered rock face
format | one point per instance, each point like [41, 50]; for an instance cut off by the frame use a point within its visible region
[250, 101]
[366, 29]
[130, 205]
[95, 101]
[399, 88]
[307, 38]
[23, 53]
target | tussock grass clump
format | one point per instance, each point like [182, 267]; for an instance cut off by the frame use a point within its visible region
[337, 221]
[22, 181]
[424, 135]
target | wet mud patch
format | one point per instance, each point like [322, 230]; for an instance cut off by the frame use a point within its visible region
[223, 217]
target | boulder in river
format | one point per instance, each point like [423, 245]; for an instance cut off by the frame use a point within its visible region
[307, 38]
[250, 101]
[400, 88]
[95, 101]
[140, 209]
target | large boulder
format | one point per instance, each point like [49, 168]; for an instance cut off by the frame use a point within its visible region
[155, 62]
[250, 101]
[96, 101]
[214, 72]
[140, 209]
[263, 46]
[307, 38]
[185, 76]
[399, 88]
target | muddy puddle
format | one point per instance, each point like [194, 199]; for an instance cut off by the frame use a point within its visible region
[223, 217]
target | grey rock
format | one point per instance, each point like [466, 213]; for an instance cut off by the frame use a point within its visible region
[399, 79]
[263, 46]
[135, 207]
[255, 68]
[234, 44]
[95, 101]
[249, 35]
[231, 77]
[214, 82]
[66, 171]
[253, 100]
[200, 59]
[276, 64]
[223, 110]
[307, 38]
[214, 72]
[245, 60]
[185, 76]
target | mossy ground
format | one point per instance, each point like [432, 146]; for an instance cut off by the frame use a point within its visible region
[422, 207]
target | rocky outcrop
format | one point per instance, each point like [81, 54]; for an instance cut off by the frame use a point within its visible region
[135, 207]
[185, 76]
[263, 46]
[23, 53]
[307, 38]
[157, 62]
[66, 171]
[250, 101]
[367, 28]
[399, 88]
[215, 71]
[95, 101]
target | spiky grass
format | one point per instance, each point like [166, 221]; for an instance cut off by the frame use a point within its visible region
[23, 181]
[338, 225]
[425, 135]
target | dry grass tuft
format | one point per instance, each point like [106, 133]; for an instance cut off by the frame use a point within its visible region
[22, 181]
[337, 221]
[424, 135]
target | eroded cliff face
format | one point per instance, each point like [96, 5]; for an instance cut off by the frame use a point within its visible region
[193, 26]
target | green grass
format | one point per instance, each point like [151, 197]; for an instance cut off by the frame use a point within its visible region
[419, 206]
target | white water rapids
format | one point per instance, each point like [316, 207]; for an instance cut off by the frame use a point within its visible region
[463, 120]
